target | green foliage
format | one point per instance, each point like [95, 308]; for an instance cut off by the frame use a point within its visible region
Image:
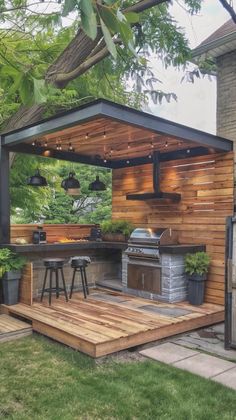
[117, 226]
[26, 53]
[51, 204]
[9, 261]
[197, 263]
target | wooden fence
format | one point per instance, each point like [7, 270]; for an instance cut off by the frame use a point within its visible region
[206, 188]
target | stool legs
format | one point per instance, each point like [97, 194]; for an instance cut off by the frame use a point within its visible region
[83, 281]
[64, 284]
[44, 283]
[86, 282]
[51, 289]
[72, 283]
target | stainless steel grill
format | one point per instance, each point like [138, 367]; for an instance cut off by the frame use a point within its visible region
[145, 242]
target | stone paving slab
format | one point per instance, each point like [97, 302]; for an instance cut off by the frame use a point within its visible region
[227, 378]
[217, 349]
[204, 365]
[168, 353]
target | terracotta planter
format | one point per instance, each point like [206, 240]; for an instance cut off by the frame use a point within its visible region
[114, 237]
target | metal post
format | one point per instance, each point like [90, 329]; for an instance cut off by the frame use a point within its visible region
[228, 282]
[4, 196]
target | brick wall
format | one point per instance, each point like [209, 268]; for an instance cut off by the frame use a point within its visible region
[226, 96]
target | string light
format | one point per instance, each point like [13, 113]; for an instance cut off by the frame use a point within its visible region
[129, 146]
[188, 151]
[33, 144]
[166, 144]
[45, 144]
[104, 134]
[86, 137]
[70, 148]
[152, 145]
[127, 161]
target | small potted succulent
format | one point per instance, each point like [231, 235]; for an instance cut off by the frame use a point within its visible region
[11, 265]
[116, 230]
[196, 266]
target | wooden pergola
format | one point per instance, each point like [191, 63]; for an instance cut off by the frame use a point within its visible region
[105, 134]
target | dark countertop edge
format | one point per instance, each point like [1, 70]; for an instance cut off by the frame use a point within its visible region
[31, 248]
[181, 248]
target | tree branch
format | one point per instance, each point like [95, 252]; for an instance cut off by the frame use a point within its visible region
[229, 9]
[143, 5]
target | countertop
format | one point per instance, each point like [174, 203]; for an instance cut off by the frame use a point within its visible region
[58, 246]
[181, 249]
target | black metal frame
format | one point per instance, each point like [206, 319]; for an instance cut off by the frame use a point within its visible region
[103, 108]
[228, 282]
[4, 196]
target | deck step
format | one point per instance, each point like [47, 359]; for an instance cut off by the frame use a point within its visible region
[12, 328]
[112, 284]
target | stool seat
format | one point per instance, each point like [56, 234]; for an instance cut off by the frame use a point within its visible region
[54, 266]
[53, 262]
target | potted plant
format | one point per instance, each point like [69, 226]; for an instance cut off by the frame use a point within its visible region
[196, 266]
[11, 265]
[116, 230]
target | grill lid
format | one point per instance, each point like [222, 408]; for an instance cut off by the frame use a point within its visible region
[157, 236]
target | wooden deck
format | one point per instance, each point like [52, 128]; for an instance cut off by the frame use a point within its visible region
[11, 328]
[111, 321]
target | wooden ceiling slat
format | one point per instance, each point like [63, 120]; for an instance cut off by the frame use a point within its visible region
[117, 138]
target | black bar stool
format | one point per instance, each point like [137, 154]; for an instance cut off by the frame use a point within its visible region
[79, 264]
[54, 265]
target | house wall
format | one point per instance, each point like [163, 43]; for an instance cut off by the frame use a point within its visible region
[206, 186]
[226, 96]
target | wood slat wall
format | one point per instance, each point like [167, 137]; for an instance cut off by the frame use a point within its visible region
[206, 186]
[26, 285]
[54, 232]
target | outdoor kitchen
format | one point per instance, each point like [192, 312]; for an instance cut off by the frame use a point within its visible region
[168, 182]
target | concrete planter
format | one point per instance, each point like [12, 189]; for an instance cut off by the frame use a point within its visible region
[10, 287]
[196, 288]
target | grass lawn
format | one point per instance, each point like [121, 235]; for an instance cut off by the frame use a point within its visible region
[44, 380]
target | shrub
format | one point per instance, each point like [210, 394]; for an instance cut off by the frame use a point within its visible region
[197, 263]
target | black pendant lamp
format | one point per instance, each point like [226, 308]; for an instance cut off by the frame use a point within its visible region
[97, 185]
[71, 185]
[37, 180]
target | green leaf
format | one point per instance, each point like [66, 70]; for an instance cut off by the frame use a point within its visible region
[110, 2]
[25, 90]
[39, 91]
[89, 24]
[109, 18]
[125, 32]
[86, 7]
[132, 17]
[109, 41]
[120, 16]
[69, 6]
